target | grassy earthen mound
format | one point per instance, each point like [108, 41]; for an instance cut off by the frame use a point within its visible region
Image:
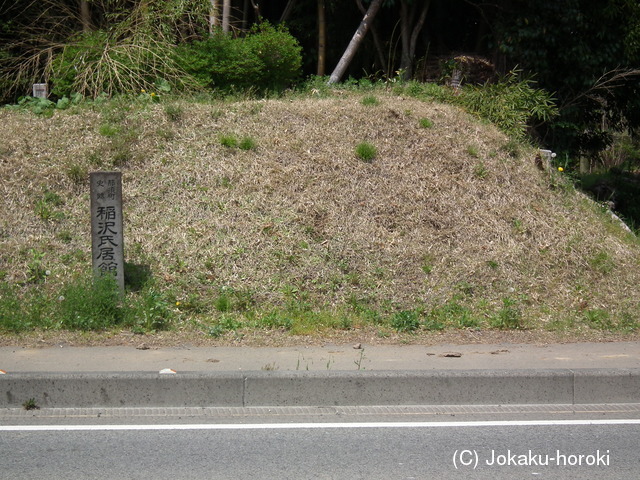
[266, 203]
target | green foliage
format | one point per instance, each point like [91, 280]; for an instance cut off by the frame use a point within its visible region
[275, 320]
[109, 130]
[77, 173]
[454, 314]
[247, 143]
[425, 91]
[366, 152]
[125, 59]
[480, 170]
[34, 36]
[12, 317]
[173, 112]
[46, 207]
[43, 106]
[406, 321]
[427, 264]
[267, 59]
[232, 141]
[39, 106]
[84, 304]
[36, 271]
[511, 104]
[228, 140]
[90, 305]
[370, 100]
[509, 317]
[425, 123]
[473, 151]
[602, 263]
[619, 187]
[593, 43]
[148, 311]
[598, 319]
[223, 303]
[30, 404]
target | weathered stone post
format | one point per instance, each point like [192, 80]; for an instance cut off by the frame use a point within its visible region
[40, 90]
[107, 239]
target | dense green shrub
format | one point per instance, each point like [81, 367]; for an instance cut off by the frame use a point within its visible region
[511, 103]
[267, 59]
[100, 62]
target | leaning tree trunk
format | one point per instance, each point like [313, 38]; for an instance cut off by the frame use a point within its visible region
[287, 11]
[322, 38]
[376, 42]
[351, 50]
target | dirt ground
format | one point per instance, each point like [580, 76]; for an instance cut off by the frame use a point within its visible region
[368, 336]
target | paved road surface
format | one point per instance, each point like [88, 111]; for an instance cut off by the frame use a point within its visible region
[381, 446]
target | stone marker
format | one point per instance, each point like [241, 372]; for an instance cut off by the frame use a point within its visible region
[107, 239]
[547, 156]
[40, 90]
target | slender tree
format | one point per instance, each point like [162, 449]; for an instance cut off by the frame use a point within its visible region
[355, 42]
[287, 11]
[85, 15]
[412, 18]
[226, 15]
[322, 38]
[214, 15]
[376, 40]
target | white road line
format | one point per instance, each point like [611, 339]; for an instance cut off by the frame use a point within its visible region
[294, 426]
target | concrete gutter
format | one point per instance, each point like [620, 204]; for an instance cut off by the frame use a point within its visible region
[314, 388]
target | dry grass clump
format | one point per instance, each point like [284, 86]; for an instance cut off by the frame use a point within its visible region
[299, 218]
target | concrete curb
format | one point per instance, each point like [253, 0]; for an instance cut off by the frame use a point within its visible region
[361, 388]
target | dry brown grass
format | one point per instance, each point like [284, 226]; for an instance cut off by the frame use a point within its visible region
[301, 217]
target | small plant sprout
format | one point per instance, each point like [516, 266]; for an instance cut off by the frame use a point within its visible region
[173, 112]
[366, 152]
[369, 101]
[406, 321]
[480, 171]
[247, 143]
[30, 404]
[427, 264]
[229, 141]
[358, 362]
[425, 123]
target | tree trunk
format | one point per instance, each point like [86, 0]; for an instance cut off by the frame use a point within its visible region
[352, 48]
[226, 14]
[287, 11]
[410, 33]
[214, 16]
[376, 42]
[245, 15]
[322, 38]
[256, 11]
[85, 16]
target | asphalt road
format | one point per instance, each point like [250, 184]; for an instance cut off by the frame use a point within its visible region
[380, 446]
